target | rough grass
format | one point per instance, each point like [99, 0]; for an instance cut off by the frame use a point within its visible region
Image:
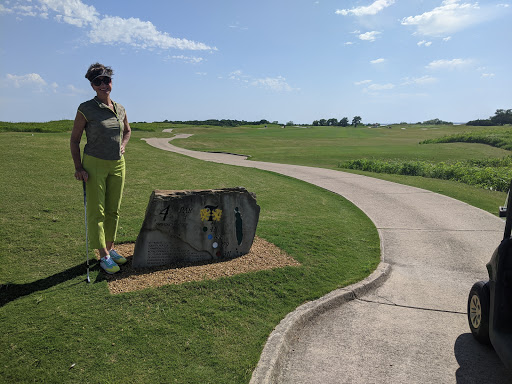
[499, 138]
[66, 126]
[492, 174]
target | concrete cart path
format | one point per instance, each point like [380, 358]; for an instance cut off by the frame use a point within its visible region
[413, 328]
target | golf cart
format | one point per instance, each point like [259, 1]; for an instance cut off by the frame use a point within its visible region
[490, 302]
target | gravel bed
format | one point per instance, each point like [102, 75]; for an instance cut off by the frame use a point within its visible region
[263, 255]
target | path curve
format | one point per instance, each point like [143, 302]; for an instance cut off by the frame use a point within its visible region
[413, 327]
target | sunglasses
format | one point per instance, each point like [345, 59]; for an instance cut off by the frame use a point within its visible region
[105, 80]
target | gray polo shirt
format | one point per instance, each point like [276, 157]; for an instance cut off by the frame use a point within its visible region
[104, 129]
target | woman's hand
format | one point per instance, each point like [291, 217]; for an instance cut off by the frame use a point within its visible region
[81, 174]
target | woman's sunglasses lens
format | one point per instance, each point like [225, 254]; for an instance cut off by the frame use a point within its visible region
[105, 80]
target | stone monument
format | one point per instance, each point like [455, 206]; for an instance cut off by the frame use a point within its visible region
[196, 225]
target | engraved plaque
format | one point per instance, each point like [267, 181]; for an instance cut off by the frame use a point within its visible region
[196, 225]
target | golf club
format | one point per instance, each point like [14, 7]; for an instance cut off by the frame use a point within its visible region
[86, 233]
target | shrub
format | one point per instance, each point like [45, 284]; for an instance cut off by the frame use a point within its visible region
[493, 174]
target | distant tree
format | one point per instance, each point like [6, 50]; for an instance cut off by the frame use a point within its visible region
[220, 123]
[437, 122]
[480, 122]
[343, 122]
[356, 120]
[289, 123]
[332, 122]
[315, 123]
[502, 117]
[323, 122]
[275, 122]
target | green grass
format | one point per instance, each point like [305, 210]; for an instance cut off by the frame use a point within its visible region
[67, 125]
[327, 147]
[492, 174]
[500, 138]
[47, 127]
[200, 332]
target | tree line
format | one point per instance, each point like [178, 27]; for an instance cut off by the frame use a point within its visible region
[501, 117]
[219, 123]
[343, 122]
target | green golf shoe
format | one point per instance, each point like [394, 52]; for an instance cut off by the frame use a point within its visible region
[109, 265]
[117, 257]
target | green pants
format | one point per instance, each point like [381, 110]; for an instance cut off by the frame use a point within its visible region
[104, 190]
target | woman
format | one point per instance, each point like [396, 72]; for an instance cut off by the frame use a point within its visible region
[102, 167]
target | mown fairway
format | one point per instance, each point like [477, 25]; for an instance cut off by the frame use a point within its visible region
[203, 332]
[327, 146]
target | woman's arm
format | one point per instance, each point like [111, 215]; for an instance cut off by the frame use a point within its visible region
[74, 144]
[126, 133]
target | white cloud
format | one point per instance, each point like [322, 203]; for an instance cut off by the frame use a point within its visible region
[348, 43]
[371, 9]
[449, 64]
[425, 43]
[77, 91]
[73, 12]
[380, 87]
[237, 75]
[419, 80]
[106, 29]
[25, 10]
[487, 75]
[138, 33]
[277, 84]
[452, 16]
[378, 61]
[5, 10]
[448, 38]
[362, 82]
[32, 80]
[369, 36]
[237, 26]
[187, 59]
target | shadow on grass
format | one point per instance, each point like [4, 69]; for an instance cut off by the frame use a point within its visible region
[10, 292]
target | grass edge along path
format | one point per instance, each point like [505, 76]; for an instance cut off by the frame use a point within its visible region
[64, 330]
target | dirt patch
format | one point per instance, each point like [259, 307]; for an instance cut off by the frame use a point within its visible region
[263, 255]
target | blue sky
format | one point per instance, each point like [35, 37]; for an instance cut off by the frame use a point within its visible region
[302, 60]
